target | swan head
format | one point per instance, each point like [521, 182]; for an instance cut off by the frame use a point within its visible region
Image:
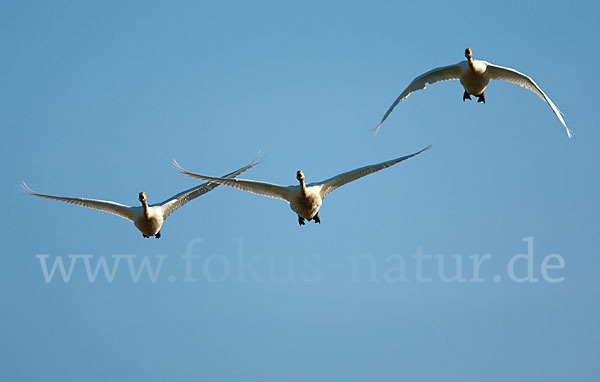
[300, 175]
[468, 53]
[142, 197]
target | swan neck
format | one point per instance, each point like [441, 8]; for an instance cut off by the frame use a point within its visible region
[303, 187]
[145, 208]
[471, 62]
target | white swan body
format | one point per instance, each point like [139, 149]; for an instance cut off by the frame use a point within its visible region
[474, 76]
[148, 219]
[304, 199]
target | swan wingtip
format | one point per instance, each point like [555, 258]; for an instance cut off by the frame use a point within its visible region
[178, 166]
[259, 157]
[375, 130]
[26, 188]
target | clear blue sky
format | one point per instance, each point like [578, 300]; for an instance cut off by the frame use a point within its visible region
[98, 97]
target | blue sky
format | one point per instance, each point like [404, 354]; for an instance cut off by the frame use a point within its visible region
[99, 97]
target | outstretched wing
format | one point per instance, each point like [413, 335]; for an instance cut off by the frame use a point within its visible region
[444, 73]
[101, 205]
[338, 181]
[507, 74]
[171, 205]
[260, 188]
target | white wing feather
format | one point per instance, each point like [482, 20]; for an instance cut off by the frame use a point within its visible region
[444, 73]
[337, 181]
[510, 75]
[172, 204]
[101, 205]
[260, 188]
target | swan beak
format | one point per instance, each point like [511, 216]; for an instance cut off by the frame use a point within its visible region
[300, 175]
[142, 196]
[468, 53]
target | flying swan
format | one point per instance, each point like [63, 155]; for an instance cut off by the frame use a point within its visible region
[147, 218]
[474, 76]
[304, 199]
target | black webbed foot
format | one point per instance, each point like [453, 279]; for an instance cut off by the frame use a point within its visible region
[157, 235]
[301, 220]
[317, 219]
[466, 96]
[481, 98]
[145, 237]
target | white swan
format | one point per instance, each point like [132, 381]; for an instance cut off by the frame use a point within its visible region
[305, 199]
[474, 76]
[147, 218]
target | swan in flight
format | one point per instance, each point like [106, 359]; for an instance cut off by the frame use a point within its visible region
[304, 199]
[474, 76]
[147, 218]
